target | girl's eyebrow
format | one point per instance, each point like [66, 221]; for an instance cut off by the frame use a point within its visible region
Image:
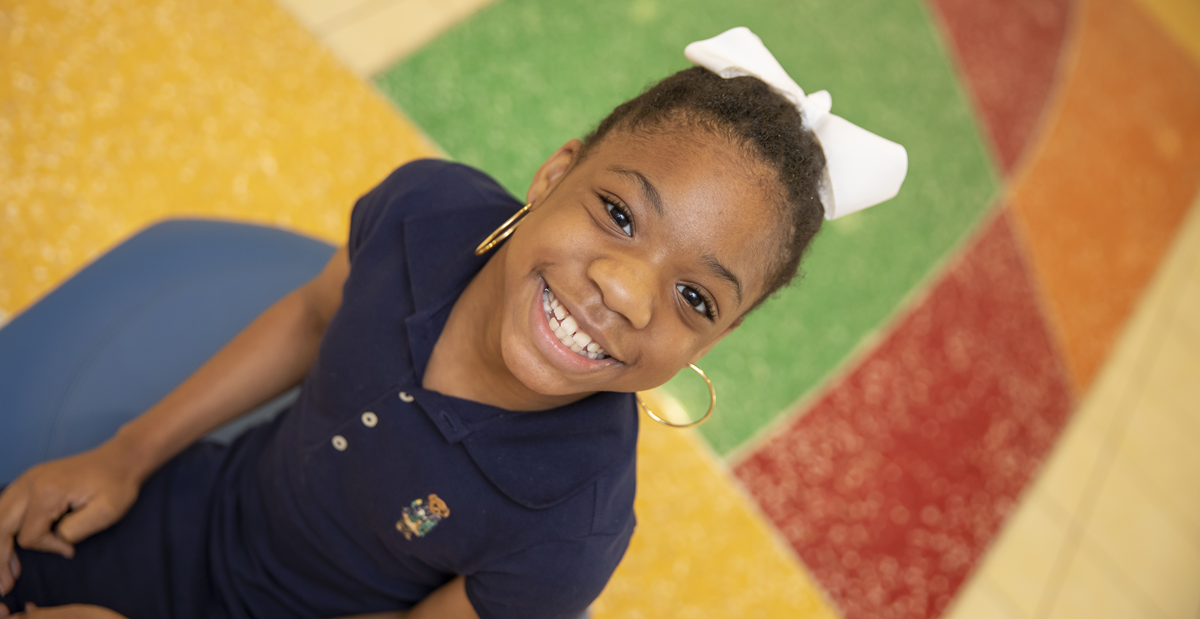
[649, 191]
[720, 271]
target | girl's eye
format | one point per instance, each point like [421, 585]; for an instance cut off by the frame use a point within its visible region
[697, 301]
[620, 216]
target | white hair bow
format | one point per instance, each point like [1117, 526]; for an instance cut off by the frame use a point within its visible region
[862, 168]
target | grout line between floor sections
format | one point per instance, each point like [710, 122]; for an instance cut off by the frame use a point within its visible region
[1173, 400]
[1061, 515]
[1011, 606]
[1162, 498]
[1112, 567]
[1073, 537]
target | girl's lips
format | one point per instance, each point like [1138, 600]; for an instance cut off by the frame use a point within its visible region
[567, 328]
[552, 348]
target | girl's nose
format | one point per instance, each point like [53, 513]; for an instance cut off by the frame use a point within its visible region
[627, 288]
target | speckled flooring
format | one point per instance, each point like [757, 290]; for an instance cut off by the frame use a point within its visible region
[980, 401]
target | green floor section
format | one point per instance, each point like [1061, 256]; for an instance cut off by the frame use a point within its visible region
[506, 88]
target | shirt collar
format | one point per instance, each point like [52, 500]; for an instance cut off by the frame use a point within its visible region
[536, 458]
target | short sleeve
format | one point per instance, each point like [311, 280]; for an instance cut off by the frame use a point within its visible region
[364, 219]
[418, 188]
[388, 197]
[554, 580]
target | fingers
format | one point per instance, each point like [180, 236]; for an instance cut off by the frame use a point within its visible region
[12, 512]
[8, 576]
[55, 505]
[37, 532]
[29, 608]
[12, 506]
[10, 571]
[78, 525]
[37, 529]
[29, 512]
[30, 611]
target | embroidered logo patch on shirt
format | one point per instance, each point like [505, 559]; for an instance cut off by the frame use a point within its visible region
[421, 516]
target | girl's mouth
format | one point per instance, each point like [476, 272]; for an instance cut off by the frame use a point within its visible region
[567, 330]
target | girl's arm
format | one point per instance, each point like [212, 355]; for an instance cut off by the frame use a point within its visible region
[95, 489]
[268, 357]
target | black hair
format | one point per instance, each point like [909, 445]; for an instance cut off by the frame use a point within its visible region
[756, 116]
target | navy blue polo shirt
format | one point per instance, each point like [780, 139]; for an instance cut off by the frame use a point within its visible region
[371, 492]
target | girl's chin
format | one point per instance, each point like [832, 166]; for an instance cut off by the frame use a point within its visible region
[529, 366]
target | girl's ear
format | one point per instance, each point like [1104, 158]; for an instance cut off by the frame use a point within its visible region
[553, 170]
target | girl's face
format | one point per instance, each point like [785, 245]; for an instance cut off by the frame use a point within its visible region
[650, 248]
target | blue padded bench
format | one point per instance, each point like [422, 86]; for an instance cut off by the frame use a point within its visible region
[119, 335]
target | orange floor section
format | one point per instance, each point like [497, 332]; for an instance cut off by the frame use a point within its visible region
[1115, 175]
[119, 114]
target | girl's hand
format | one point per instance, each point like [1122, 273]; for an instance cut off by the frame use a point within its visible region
[55, 505]
[73, 611]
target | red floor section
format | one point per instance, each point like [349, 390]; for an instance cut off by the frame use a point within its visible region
[1008, 52]
[895, 482]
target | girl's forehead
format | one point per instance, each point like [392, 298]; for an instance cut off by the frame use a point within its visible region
[690, 161]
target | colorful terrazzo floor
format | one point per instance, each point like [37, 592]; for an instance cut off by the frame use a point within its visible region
[1040, 269]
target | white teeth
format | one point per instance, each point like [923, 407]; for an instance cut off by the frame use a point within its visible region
[567, 329]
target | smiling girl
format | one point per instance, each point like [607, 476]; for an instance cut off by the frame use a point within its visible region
[464, 440]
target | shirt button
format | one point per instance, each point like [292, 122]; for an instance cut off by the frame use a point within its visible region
[369, 419]
[339, 443]
[407, 398]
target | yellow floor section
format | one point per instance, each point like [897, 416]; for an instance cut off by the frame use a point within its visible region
[114, 114]
[700, 550]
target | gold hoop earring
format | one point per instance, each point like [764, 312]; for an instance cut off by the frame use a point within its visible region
[712, 404]
[503, 231]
